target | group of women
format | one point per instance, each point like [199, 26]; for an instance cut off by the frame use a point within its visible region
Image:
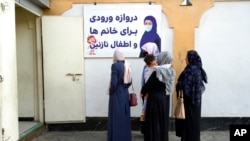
[159, 87]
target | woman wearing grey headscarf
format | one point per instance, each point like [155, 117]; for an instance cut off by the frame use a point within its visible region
[159, 87]
[166, 75]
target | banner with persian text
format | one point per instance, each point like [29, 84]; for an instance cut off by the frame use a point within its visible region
[110, 26]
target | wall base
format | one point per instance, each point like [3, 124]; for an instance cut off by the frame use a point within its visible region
[100, 124]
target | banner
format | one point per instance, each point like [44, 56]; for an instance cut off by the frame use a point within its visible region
[110, 26]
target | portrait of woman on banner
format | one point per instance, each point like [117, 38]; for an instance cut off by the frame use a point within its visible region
[150, 36]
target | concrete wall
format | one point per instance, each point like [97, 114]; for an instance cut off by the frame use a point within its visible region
[31, 6]
[8, 89]
[26, 62]
[41, 3]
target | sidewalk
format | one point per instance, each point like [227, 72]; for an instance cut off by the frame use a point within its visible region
[136, 136]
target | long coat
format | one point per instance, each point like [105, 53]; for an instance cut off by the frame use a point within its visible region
[119, 123]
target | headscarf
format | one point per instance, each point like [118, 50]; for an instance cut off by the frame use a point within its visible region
[152, 35]
[151, 48]
[119, 56]
[166, 75]
[191, 79]
[194, 59]
[164, 58]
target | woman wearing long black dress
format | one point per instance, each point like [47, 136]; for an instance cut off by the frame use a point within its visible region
[159, 87]
[119, 123]
[191, 83]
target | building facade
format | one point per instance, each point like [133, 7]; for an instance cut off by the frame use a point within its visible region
[37, 84]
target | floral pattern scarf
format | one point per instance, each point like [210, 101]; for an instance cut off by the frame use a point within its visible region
[191, 80]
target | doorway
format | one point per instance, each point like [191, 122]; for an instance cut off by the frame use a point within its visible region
[29, 71]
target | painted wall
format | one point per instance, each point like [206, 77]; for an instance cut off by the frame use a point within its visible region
[221, 39]
[8, 89]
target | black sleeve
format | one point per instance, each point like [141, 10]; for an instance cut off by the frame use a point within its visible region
[149, 85]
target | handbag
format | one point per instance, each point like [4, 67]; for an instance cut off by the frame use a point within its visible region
[179, 112]
[133, 98]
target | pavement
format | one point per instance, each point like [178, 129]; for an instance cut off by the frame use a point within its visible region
[136, 136]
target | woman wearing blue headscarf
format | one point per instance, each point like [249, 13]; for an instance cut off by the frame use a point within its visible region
[191, 83]
[150, 35]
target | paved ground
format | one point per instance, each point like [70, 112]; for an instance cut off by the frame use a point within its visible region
[136, 136]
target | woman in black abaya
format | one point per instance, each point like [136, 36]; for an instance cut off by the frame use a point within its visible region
[159, 87]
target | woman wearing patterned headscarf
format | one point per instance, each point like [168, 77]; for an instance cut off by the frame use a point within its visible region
[150, 35]
[159, 86]
[191, 83]
[119, 123]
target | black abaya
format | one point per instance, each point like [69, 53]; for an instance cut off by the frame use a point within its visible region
[157, 110]
[192, 122]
